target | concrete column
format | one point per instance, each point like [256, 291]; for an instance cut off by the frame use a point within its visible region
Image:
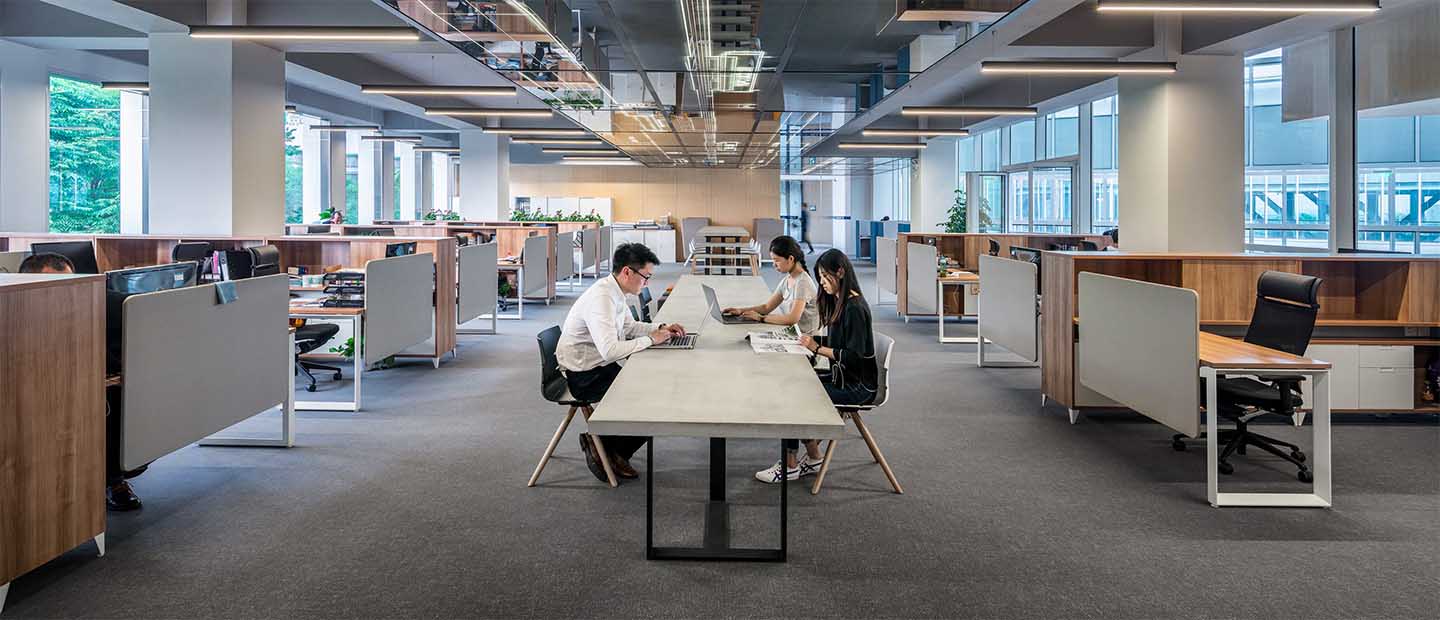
[133, 160]
[934, 190]
[484, 176]
[927, 49]
[411, 179]
[315, 161]
[335, 151]
[425, 189]
[1342, 140]
[1182, 157]
[24, 139]
[377, 181]
[217, 140]
[440, 180]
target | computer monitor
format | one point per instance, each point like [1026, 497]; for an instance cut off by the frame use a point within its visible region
[121, 284]
[1029, 255]
[400, 249]
[80, 253]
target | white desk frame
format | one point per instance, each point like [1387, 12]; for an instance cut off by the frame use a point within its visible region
[1320, 495]
[940, 285]
[519, 313]
[357, 326]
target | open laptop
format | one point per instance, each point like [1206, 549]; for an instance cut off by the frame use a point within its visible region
[689, 339]
[716, 312]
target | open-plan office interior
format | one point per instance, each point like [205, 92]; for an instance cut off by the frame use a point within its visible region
[742, 308]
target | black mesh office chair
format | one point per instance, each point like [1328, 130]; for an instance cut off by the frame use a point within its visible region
[1286, 305]
[264, 261]
[197, 251]
[1114, 235]
[556, 389]
[309, 338]
[994, 247]
[1089, 246]
[645, 299]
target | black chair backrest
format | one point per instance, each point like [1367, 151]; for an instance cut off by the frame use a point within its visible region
[264, 260]
[1286, 305]
[80, 253]
[552, 382]
[994, 247]
[645, 300]
[1089, 246]
[196, 251]
[1114, 235]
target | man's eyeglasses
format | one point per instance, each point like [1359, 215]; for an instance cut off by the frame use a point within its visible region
[643, 276]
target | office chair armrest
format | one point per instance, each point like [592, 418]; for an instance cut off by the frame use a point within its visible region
[1289, 386]
[1282, 379]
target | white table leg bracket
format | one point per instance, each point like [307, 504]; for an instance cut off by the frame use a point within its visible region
[1320, 494]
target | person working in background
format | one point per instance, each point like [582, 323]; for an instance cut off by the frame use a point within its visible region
[119, 496]
[46, 263]
[794, 300]
[853, 376]
[805, 226]
[598, 333]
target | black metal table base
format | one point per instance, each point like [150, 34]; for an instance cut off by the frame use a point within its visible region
[716, 546]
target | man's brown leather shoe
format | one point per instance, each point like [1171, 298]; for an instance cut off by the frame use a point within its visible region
[622, 468]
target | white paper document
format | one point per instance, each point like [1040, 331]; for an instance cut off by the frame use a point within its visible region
[779, 341]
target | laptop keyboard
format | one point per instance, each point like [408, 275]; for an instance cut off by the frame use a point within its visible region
[678, 342]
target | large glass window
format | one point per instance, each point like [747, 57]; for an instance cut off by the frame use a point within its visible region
[84, 157]
[990, 150]
[1105, 165]
[294, 169]
[1287, 175]
[1062, 133]
[1022, 142]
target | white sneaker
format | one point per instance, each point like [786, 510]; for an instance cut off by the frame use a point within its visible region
[807, 465]
[773, 473]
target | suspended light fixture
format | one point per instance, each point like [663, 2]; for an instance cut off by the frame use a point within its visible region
[420, 89]
[437, 149]
[491, 112]
[392, 138]
[305, 33]
[912, 133]
[884, 146]
[535, 131]
[139, 87]
[345, 128]
[967, 110]
[568, 151]
[1238, 6]
[1074, 67]
[560, 141]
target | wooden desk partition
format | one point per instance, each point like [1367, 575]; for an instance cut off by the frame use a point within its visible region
[964, 250]
[52, 418]
[1366, 300]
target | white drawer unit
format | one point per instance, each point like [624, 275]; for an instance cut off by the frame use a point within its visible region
[1387, 357]
[1387, 388]
[1344, 374]
[1367, 377]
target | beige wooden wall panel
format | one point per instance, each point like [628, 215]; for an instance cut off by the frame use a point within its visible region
[728, 197]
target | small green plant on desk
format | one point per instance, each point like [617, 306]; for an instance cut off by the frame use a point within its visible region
[443, 215]
[347, 350]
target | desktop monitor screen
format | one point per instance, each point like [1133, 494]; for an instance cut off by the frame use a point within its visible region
[1029, 255]
[121, 284]
[80, 253]
[400, 249]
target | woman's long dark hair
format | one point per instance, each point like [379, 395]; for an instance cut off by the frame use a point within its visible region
[787, 247]
[834, 262]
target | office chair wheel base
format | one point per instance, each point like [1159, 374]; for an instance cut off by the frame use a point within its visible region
[309, 388]
[1305, 476]
[337, 376]
[1298, 455]
[1226, 468]
[1178, 445]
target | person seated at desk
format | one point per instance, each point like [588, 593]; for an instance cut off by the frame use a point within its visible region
[597, 333]
[850, 346]
[46, 263]
[794, 300]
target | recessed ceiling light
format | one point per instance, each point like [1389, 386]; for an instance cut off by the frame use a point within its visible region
[493, 112]
[420, 89]
[143, 87]
[1238, 6]
[918, 133]
[559, 141]
[1074, 67]
[305, 33]
[967, 110]
[535, 131]
[345, 128]
[883, 145]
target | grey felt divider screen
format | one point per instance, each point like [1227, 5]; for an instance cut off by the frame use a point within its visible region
[537, 266]
[10, 261]
[1007, 305]
[398, 309]
[1140, 345]
[607, 246]
[885, 255]
[565, 255]
[922, 260]
[589, 248]
[479, 279]
[194, 367]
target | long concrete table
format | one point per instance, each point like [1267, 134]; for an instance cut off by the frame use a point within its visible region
[719, 389]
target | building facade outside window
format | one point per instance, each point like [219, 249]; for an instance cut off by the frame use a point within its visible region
[1287, 174]
[294, 169]
[1104, 164]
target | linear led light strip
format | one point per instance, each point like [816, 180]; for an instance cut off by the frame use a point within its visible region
[560, 141]
[436, 149]
[886, 146]
[392, 138]
[915, 133]
[401, 89]
[967, 111]
[1074, 67]
[143, 87]
[1237, 6]
[345, 127]
[568, 151]
[535, 131]
[491, 112]
[304, 33]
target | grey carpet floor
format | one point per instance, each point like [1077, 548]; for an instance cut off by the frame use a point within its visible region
[417, 508]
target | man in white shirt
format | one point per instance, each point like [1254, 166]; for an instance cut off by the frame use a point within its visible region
[599, 332]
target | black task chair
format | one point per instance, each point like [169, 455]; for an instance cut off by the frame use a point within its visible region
[556, 390]
[645, 299]
[994, 247]
[1089, 246]
[1286, 305]
[1114, 235]
[309, 338]
[264, 261]
[196, 251]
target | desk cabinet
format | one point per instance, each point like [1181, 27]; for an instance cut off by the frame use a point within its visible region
[659, 240]
[1368, 377]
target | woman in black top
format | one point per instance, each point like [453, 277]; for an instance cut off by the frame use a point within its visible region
[850, 347]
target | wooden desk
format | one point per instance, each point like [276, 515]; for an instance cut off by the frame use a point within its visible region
[719, 389]
[52, 419]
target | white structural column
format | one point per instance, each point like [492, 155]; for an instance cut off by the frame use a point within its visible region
[484, 176]
[133, 160]
[1182, 158]
[936, 180]
[217, 137]
[442, 179]
[1342, 140]
[24, 139]
[424, 189]
[376, 181]
[411, 178]
[315, 158]
[334, 170]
